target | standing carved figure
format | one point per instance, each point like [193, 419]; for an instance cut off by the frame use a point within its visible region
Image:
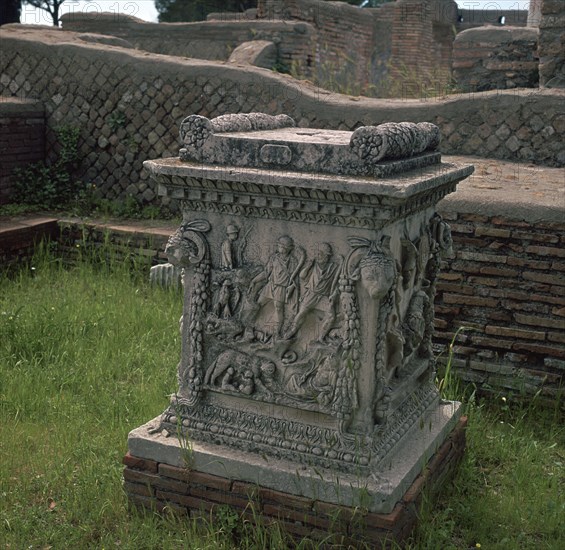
[232, 248]
[228, 259]
[320, 285]
[281, 285]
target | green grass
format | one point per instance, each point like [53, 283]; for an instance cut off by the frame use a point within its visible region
[88, 353]
[508, 492]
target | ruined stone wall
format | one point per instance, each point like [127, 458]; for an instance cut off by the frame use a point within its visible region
[346, 35]
[407, 37]
[382, 44]
[333, 41]
[309, 34]
[422, 38]
[412, 39]
[129, 104]
[496, 58]
[501, 57]
[551, 49]
[212, 40]
[22, 139]
[407, 41]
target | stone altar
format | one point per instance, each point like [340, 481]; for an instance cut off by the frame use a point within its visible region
[309, 264]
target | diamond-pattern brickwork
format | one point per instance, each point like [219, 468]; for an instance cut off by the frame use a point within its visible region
[129, 104]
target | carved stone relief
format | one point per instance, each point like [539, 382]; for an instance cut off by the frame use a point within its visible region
[405, 145]
[308, 305]
[288, 330]
[187, 248]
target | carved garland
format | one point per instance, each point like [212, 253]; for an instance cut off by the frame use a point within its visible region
[346, 398]
[187, 248]
[282, 438]
[381, 403]
[199, 305]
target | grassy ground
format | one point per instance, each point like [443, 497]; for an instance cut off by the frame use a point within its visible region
[88, 353]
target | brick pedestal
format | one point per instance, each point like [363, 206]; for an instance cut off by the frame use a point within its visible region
[153, 485]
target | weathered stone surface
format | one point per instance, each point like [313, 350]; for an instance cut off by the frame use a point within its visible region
[260, 53]
[276, 143]
[484, 216]
[308, 291]
[490, 58]
[104, 39]
[377, 493]
[550, 50]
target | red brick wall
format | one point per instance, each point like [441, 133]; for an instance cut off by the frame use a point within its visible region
[498, 58]
[22, 139]
[153, 485]
[344, 39]
[422, 43]
[412, 39]
[507, 285]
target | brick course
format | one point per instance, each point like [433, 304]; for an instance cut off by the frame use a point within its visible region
[490, 58]
[197, 494]
[516, 337]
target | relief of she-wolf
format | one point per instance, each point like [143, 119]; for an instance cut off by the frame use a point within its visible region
[288, 330]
